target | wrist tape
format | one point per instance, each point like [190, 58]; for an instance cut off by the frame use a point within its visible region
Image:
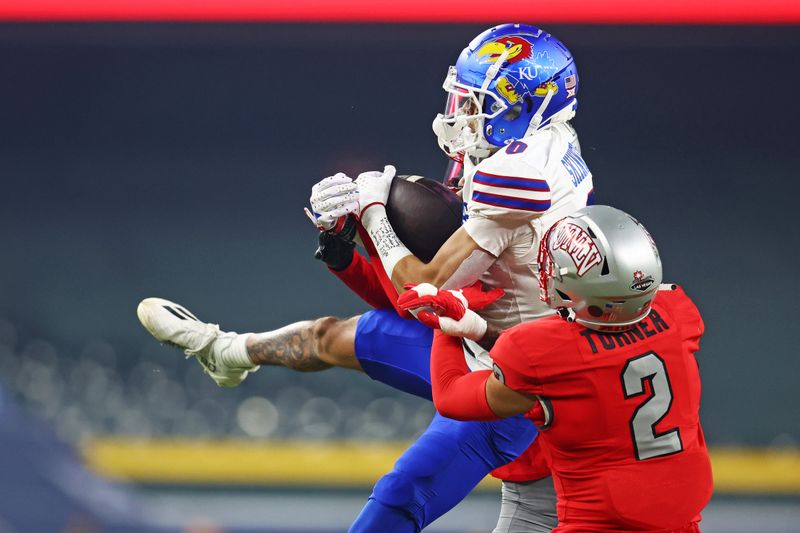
[388, 245]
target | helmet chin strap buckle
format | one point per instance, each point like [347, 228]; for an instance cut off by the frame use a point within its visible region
[566, 313]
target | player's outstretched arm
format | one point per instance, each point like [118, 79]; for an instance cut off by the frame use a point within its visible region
[464, 395]
[458, 263]
[360, 277]
[337, 251]
[334, 203]
[457, 392]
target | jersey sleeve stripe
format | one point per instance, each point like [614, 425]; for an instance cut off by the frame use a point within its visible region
[510, 202]
[511, 182]
[536, 196]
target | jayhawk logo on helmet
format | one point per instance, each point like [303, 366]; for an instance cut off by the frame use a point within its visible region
[518, 49]
[507, 90]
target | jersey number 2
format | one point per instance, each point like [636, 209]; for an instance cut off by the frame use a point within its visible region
[646, 442]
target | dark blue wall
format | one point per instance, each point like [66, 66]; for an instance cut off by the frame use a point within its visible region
[175, 161]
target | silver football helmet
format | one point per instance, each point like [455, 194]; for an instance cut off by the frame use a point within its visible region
[599, 267]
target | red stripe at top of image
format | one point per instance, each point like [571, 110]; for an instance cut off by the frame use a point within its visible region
[408, 11]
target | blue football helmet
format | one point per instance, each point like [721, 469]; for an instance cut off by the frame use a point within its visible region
[511, 80]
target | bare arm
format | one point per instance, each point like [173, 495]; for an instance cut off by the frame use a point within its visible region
[460, 258]
[490, 337]
[460, 254]
[504, 401]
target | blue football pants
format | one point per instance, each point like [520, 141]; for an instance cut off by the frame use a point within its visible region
[450, 458]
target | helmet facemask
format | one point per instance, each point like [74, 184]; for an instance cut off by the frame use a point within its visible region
[460, 129]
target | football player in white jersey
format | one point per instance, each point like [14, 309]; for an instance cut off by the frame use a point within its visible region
[510, 96]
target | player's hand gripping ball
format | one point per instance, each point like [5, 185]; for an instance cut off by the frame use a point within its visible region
[373, 187]
[423, 212]
[450, 310]
[332, 199]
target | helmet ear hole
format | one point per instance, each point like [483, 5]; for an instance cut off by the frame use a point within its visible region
[528, 105]
[595, 311]
[513, 113]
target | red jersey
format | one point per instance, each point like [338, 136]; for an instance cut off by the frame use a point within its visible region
[531, 465]
[622, 428]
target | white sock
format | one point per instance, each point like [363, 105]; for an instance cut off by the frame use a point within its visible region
[231, 350]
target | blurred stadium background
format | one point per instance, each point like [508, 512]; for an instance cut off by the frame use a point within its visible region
[168, 149]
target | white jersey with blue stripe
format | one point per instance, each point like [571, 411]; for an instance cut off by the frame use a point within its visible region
[513, 197]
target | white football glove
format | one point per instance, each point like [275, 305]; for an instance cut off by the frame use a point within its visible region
[332, 199]
[373, 187]
[470, 326]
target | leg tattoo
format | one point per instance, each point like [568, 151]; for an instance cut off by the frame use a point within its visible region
[295, 346]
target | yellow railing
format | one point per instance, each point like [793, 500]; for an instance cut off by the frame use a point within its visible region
[359, 464]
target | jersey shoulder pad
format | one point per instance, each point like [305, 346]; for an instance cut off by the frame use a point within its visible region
[683, 309]
[504, 186]
[545, 335]
[522, 353]
[510, 364]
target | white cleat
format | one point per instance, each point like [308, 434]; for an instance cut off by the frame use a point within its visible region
[172, 324]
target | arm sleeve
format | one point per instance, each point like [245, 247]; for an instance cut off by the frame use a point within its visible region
[512, 365]
[457, 392]
[380, 274]
[360, 277]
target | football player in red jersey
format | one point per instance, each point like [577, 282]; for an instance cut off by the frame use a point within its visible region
[611, 381]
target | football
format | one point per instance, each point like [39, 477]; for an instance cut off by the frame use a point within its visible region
[424, 213]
